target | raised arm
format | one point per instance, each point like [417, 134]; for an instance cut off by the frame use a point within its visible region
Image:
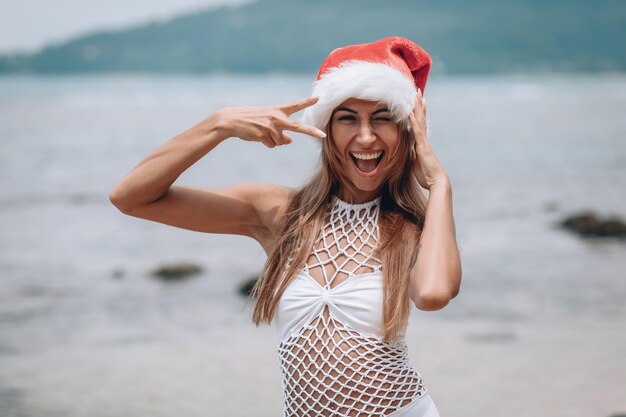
[436, 274]
[248, 209]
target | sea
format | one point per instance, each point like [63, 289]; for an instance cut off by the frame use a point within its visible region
[86, 330]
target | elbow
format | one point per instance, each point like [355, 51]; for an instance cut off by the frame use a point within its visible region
[433, 301]
[436, 299]
[116, 199]
[456, 288]
[455, 291]
[431, 297]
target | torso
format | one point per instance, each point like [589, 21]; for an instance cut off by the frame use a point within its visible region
[329, 324]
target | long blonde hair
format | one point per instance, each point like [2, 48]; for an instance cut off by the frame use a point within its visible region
[401, 220]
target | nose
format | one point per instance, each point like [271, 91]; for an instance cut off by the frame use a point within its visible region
[366, 135]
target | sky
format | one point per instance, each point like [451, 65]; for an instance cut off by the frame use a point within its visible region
[27, 25]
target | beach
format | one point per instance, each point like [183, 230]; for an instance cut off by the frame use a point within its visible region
[538, 329]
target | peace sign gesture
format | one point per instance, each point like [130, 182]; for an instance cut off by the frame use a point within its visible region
[426, 167]
[265, 124]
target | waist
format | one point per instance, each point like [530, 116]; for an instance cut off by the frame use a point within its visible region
[341, 376]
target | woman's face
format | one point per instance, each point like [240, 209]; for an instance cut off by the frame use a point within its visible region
[365, 136]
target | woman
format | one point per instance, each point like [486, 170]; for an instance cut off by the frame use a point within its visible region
[350, 250]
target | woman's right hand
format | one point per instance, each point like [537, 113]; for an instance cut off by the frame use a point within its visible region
[264, 124]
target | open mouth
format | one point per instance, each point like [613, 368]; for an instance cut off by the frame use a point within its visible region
[367, 163]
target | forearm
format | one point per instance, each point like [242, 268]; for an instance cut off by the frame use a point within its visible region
[436, 274]
[152, 177]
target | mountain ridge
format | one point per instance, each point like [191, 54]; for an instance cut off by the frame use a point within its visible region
[484, 36]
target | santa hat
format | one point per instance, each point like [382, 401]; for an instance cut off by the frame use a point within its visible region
[389, 70]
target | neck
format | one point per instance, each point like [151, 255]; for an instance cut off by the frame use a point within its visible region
[360, 197]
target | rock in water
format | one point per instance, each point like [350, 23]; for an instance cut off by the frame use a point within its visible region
[176, 271]
[245, 289]
[587, 224]
[118, 273]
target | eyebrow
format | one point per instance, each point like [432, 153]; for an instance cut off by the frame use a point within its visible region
[384, 109]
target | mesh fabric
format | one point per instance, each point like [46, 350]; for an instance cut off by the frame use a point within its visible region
[328, 367]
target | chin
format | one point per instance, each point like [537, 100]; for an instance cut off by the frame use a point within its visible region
[366, 184]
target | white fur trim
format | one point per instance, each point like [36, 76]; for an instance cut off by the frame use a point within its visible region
[364, 80]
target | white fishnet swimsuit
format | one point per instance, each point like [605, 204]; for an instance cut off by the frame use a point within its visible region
[333, 359]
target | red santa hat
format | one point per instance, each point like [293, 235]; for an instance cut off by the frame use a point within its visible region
[389, 70]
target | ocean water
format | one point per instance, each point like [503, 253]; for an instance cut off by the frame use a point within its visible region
[539, 327]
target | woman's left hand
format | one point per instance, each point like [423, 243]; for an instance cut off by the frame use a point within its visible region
[426, 167]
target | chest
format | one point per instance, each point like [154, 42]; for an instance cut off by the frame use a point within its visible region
[341, 278]
[345, 247]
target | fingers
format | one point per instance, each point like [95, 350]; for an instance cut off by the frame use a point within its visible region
[418, 115]
[276, 138]
[421, 101]
[296, 126]
[419, 133]
[268, 141]
[288, 139]
[273, 133]
[296, 106]
[279, 121]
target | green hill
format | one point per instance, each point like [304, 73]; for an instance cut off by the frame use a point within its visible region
[480, 36]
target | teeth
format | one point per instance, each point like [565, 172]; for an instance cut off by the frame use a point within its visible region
[366, 156]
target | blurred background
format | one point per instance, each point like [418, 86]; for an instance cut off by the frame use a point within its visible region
[526, 105]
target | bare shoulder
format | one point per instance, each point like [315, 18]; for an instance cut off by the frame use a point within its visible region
[271, 203]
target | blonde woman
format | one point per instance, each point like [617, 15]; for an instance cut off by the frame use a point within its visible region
[352, 250]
